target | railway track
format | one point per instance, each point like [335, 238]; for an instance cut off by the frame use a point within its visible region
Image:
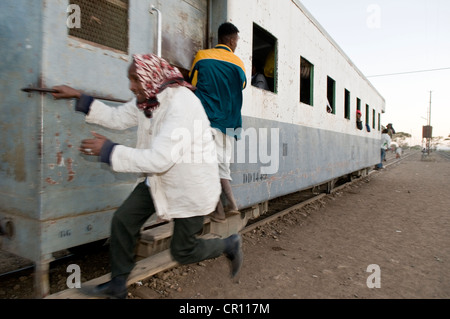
[444, 154]
[156, 243]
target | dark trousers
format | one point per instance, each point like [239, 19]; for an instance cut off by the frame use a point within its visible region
[383, 155]
[126, 224]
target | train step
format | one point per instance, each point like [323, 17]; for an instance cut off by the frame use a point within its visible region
[157, 233]
[157, 238]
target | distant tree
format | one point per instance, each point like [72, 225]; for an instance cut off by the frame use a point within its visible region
[402, 135]
[400, 138]
[437, 140]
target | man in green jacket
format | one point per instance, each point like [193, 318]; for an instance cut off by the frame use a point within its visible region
[220, 78]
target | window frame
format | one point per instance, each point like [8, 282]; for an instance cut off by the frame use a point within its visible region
[347, 104]
[333, 94]
[261, 36]
[311, 82]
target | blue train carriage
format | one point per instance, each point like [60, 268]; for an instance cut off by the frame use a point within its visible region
[54, 198]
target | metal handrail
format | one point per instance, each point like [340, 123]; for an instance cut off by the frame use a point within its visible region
[159, 30]
[47, 90]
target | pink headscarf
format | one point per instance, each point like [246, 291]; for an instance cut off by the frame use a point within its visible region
[156, 74]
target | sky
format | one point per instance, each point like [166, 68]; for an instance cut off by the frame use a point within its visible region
[388, 37]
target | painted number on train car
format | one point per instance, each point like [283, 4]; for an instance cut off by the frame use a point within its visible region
[65, 233]
[253, 177]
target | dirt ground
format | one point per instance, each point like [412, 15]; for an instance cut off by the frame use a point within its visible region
[386, 236]
[397, 219]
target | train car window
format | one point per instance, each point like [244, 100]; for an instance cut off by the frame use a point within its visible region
[306, 81]
[103, 22]
[265, 56]
[373, 119]
[331, 95]
[347, 104]
[367, 114]
[358, 104]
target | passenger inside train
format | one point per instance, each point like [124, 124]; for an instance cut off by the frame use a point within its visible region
[258, 78]
[359, 123]
[263, 53]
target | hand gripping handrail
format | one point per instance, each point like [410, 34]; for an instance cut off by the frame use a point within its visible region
[47, 90]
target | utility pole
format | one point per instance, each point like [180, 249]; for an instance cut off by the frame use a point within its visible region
[429, 126]
[429, 111]
[427, 131]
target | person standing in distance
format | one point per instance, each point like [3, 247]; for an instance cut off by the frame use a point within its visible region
[385, 145]
[219, 76]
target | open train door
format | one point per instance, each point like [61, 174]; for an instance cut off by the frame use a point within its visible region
[183, 31]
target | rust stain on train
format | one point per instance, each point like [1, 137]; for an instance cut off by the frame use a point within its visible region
[50, 181]
[59, 158]
[71, 173]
